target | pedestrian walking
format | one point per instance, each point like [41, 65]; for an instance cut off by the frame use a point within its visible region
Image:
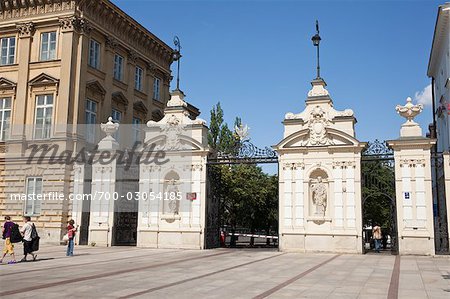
[71, 231]
[26, 231]
[376, 231]
[6, 234]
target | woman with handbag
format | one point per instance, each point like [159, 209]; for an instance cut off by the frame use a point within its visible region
[71, 230]
[9, 247]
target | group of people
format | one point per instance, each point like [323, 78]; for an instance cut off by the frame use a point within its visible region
[28, 236]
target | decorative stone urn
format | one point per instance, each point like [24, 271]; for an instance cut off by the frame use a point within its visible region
[410, 128]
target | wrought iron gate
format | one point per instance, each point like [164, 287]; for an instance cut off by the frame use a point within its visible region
[125, 208]
[378, 192]
[243, 152]
[439, 204]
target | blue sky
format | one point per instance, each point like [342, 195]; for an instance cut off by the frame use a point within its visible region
[256, 57]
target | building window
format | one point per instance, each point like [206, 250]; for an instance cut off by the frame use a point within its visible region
[136, 125]
[118, 67]
[8, 50]
[156, 88]
[43, 119]
[48, 46]
[138, 78]
[5, 118]
[91, 120]
[94, 54]
[33, 203]
[116, 118]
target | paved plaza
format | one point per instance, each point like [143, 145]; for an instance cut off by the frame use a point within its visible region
[129, 272]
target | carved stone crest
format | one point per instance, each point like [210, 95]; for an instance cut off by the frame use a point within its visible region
[172, 130]
[318, 128]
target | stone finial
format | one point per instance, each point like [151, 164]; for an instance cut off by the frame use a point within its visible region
[318, 89]
[410, 128]
[109, 128]
[176, 99]
[409, 111]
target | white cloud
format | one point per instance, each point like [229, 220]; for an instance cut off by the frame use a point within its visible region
[424, 97]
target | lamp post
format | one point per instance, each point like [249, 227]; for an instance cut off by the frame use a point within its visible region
[176, 57]
[316, 42]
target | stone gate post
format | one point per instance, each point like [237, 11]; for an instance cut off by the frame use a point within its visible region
[412, 155]
[103, 188]
[172, 209]
[320, 178]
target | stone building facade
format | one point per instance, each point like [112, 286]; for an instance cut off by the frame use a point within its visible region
[65, 66]
[439, 71]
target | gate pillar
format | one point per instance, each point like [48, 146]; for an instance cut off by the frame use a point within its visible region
[103, 188]
[320, 178]
[412, 155]
[172, 191]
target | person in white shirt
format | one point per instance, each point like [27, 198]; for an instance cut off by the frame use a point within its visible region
[26, 230]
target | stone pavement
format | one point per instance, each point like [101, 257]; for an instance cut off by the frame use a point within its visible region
[129, 272]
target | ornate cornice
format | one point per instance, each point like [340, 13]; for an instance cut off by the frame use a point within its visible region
[15, 9]
[344, 164]
[151, 68]
[85, 26]
[134, 35]
[412, 162]
[26, 29]
[132, 56]
[70, 23]
[151, 168]
[293, 166]
[167, 78]
[111, 43]
[75, 23]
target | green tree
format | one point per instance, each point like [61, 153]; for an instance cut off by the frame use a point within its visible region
[248, 197]
[220, 137]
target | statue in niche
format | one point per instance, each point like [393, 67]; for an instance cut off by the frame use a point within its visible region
[171, 193]
[319, 196]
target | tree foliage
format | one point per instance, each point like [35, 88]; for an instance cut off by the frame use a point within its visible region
[248, 197]
[378, 192]
[251, 198]
[220, 137]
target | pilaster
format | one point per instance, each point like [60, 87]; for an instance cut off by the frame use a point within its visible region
[26, 33]
[77, 114]
[103, 188]
[111, 45]
[70, 27]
